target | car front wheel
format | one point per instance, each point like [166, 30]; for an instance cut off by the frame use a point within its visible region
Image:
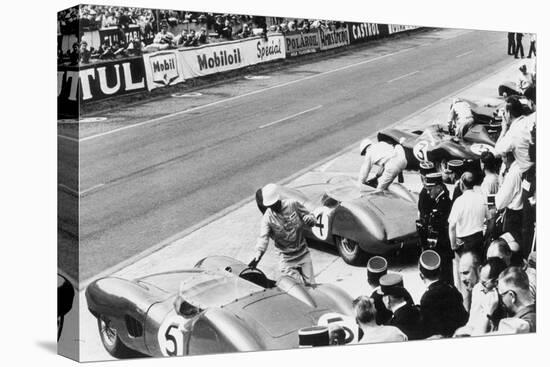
[350, 251]
[111, 341]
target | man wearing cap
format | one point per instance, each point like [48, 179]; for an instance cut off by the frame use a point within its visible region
[425, 203]
[405, 316]
[283, 222]
[438, 227]
[467, 218]
[391, 160]
[453, 172]
[441, 305]
[460, 117]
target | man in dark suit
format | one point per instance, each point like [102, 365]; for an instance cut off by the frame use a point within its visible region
[425, 205]
[405, 315]
[441, 305]
[438, 225]
[379, 279]
[519, 45]
[511, 43]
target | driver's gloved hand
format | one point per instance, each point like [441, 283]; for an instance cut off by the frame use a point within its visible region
[253, 263]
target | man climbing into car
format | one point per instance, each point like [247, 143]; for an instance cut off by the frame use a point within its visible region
[283, 222]
[391, 160]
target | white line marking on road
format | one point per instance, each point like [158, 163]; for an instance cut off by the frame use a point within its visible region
[464, 54]
[68, 138]
[91, 188]
[403, 76]
[244, 95]
[289, 117]
[65, 187]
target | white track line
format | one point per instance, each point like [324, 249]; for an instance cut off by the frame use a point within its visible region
[91, 188]
[72, 191]
[403, 76]
[289, 117]
[67, 138]
[464, 54]
[91, 137]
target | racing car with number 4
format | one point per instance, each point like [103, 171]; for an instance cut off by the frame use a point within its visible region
[358, 221]
[221, 305]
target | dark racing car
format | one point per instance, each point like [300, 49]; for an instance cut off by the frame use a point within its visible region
[221, 305]
[359, 222]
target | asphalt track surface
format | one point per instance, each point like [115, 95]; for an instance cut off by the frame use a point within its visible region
[155, 169]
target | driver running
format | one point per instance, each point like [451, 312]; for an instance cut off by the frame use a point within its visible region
[283, 222]
[460, 117]
[391, 160]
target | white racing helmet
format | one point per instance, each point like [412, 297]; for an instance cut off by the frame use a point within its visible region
[364, 145]
[269, 194]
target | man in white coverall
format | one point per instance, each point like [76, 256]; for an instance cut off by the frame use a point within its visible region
[391, 160]
[284, 221]
[460, 117]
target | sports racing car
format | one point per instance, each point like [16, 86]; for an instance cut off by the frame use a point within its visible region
[359, 222]
[221, 305]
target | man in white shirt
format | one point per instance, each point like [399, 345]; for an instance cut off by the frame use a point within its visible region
[467, 218]
[515, 136]
[391, 160]
[460, 117]
[509, 198]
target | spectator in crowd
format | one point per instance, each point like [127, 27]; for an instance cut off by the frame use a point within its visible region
[126, 19]
[519, 45]
[509, 198]
[532, 45]
[391, 160]
[365, 315]
[511, 43]
[227, 30]
[181, 38]
[405, 316]
[85, 53]
[514, 295]
[441, 306]
[202, 36]
[110, 20]
[460, 117]
[438, 227]
[219, 26]
[490, 166]
[245, 31]
[468, 269]
[135, 47]
[105, 52]
[163, 40]
[515, 136]
[119, 48]
[74, 54]
[478, 321]
[305, 27]
[467, 218]
[529, 185]
[284, 222]
[191, 40]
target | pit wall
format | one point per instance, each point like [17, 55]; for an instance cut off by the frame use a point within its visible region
[109, 79]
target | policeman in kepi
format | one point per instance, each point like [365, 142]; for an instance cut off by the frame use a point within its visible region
[425, 204]
[438, 226]
[283, 222]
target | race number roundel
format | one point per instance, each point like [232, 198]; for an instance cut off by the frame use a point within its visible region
[321, 228]
[479, 148]
[420, 150]
[171, 336]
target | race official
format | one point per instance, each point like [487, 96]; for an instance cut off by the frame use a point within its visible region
[455, 168]
[515, 136]
[438, 225]
[391, 160]
[460, 117]
[467, 218]
[441, 305]
[384, 315]
[283, 222]
[425, 204]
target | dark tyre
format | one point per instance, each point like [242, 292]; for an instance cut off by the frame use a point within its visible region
[111, 341]
[350, 251]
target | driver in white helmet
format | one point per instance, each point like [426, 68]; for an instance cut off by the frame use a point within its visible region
[283, 222]
[391, 160]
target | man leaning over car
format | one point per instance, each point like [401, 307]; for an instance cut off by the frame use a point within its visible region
[283, 221]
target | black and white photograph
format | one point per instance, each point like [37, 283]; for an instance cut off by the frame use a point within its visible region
[237, 183]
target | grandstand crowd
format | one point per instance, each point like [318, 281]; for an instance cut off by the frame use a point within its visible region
[164, 29]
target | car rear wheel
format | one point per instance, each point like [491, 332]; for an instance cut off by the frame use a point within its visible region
[350, 251]
[111, 341]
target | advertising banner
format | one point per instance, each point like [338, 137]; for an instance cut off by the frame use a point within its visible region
[112, 35]
[298, 43]
[163, 68]
[333, 39]
[91, 82]
[360, 32]
[397, 28]
[257, 49]
[211, 59]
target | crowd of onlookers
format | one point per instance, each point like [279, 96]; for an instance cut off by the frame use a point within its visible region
[515, 45]
[155, 26]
